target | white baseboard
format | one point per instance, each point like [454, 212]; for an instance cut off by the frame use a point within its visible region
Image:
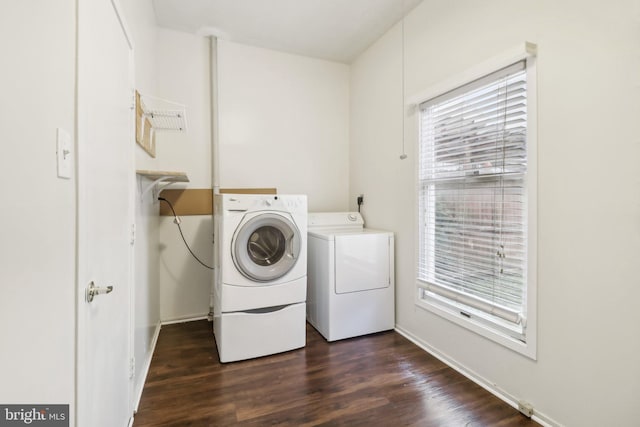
[185, 319]
[482, 382]
[145, 368]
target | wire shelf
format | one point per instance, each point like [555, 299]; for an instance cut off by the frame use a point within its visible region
[156, 114]
[163, 114]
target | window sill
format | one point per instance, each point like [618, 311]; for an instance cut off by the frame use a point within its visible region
[527, 349]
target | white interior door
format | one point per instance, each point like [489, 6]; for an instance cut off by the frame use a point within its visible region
[105, 215]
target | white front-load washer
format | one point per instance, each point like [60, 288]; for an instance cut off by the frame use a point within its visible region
[350, 276]
[260, 278]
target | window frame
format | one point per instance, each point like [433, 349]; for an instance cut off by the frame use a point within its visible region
[477, 322]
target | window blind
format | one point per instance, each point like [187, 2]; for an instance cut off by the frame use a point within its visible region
[472, 196]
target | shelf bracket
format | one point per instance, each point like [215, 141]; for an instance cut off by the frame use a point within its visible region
[154, 186]
[160, 180]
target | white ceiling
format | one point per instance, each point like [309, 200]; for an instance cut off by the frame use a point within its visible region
[336, 30]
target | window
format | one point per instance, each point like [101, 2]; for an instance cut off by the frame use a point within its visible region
[474, 205]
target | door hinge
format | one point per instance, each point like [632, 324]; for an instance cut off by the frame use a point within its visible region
[133, 234]
[132, 367]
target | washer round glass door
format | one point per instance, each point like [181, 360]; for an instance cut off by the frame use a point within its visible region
[266, 247]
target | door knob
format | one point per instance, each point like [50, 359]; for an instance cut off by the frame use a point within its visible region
[93, 290]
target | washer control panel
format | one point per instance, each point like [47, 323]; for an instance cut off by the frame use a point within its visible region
[276, 202]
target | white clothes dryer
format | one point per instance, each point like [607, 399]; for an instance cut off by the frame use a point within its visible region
[260, 278]
[350, 288]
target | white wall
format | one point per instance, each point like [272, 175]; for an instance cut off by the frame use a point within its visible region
[284, 123]
[140, 22]
[185, 285]
[376, 138]
[37, 237]
[586, 373]
[170, 285]
[147, 279]
[270, 103]
[182, 72]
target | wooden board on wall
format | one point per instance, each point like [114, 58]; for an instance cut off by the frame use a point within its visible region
[187, 201]
[248, 191]
[144, 135]
[199, 201]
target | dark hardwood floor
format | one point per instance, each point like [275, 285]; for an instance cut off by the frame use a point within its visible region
[377, 380]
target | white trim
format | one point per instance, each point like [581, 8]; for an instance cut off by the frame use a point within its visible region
[491, 387]
[120, 15]
[523, 51]
[185, 319]
[123, 23]
[145, 368]
[482, 329]
[532, 207]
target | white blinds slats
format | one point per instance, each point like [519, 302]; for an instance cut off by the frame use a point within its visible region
[473, 163]
[481, 108]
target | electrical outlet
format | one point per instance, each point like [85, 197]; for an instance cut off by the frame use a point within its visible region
[360, 199]
[525, 408]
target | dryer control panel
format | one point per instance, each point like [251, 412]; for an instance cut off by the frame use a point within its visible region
[328, 220]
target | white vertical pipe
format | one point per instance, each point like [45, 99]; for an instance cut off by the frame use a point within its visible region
[215, 157]
[214, 115]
